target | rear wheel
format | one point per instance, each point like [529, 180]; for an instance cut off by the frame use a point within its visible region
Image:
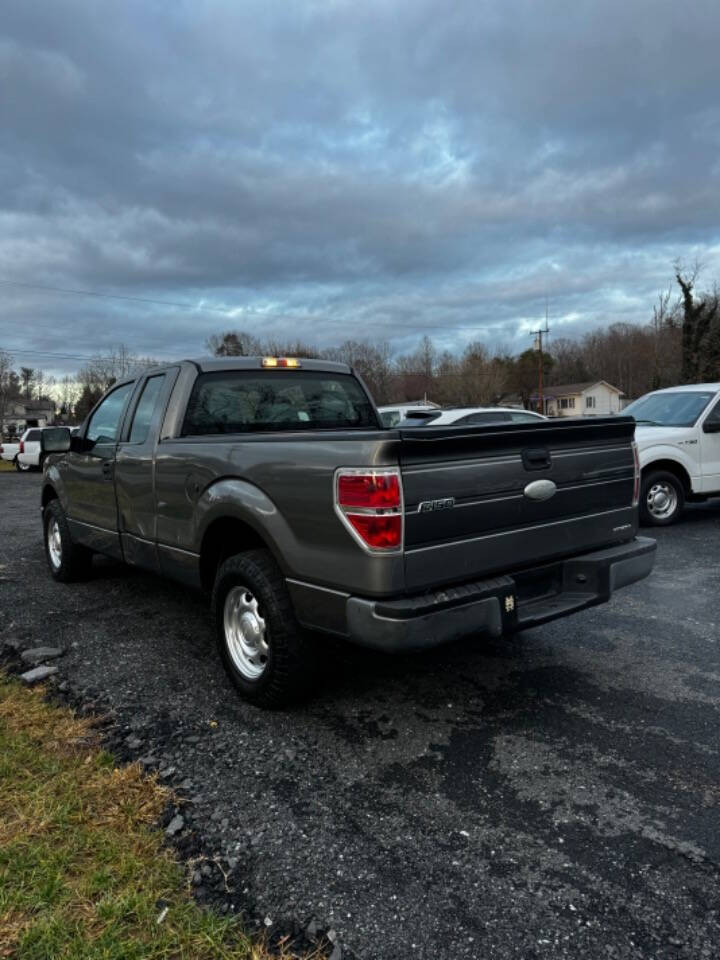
[265, 652]
[21, 467]
[67, 560]
[662, 498]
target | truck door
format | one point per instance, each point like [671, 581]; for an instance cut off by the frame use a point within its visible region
[135, 470]
[710, 451]
[89, 475]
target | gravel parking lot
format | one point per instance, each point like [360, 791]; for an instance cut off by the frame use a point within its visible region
[555, 794]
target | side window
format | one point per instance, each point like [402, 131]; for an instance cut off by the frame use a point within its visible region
[480, 418]
[523, 418]
[146, 407]
[105, 422]
[390, 418]
[33, 435]
[714, 415]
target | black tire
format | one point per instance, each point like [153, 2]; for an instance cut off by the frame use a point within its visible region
[21, 467]
[664, 482]
[75, 560]
[288, 667]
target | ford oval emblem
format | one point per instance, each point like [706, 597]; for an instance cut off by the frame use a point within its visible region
[540, 490]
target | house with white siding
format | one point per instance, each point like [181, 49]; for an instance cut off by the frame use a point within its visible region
[596, 398]
[21, 414]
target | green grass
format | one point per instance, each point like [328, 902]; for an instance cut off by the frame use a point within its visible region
[5, 465]
[81, 866]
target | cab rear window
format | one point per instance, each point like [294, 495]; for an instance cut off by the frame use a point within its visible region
[246, 401]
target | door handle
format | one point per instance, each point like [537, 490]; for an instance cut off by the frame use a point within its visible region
[107, 469]
[536, 459]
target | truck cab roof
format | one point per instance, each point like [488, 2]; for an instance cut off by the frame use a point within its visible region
[215, 364]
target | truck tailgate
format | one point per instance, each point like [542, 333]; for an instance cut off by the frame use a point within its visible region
[469, 495]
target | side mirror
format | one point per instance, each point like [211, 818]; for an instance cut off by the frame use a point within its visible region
[55, 440]
[711, 426]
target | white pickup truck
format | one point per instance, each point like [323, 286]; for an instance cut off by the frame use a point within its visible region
[678, 440]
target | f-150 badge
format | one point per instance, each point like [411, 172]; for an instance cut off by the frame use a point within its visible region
[427, 505]
[540, 490]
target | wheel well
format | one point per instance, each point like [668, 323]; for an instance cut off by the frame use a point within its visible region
[224, 538]
[672, 467]
[48, 494]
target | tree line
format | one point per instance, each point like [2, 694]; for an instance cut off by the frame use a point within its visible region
[679, 344]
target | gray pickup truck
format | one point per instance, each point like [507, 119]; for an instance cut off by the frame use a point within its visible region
[272, 484]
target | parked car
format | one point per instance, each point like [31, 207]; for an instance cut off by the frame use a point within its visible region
[468, 416]
[393, 413]
[25, 454]
[272, 484]
[678, 438]
[30, 453]
[9, 450]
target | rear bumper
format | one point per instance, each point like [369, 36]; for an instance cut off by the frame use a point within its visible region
[501, 605]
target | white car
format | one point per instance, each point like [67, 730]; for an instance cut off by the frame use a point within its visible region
[678, 440]
[393, 413]
[25, 454]
[465, 416]
[29, 455]
[9, 451]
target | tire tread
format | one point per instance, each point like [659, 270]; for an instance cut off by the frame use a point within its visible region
[290, 670]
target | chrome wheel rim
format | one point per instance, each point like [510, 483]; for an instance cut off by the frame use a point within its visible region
[54, 543]
[22, 466]
[662, 500]
[245, 633]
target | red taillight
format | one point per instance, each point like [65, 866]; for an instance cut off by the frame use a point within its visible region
[369, 502]
[636, 485]
[369, 490]
[382, 532]
[21, 448]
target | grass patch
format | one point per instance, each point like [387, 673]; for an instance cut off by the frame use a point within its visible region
[81, 866]
[5, 465]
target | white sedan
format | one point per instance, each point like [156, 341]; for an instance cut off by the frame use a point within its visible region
[468, 416]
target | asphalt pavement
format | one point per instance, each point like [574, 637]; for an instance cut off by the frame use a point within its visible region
[554, 794]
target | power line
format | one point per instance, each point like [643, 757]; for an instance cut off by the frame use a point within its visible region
[56, 356]
[113, 296]
[228, 311]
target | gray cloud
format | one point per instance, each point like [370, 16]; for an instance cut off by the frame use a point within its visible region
[340, 169]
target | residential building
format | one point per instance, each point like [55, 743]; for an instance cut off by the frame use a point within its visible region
[596, 398]
[21, 414]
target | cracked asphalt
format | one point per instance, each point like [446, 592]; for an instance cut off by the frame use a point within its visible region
[555, 794]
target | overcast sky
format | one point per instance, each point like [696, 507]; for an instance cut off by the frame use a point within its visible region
[339, 169]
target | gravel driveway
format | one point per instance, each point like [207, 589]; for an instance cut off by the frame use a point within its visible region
[551, 795]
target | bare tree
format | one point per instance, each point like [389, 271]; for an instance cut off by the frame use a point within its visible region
[700, 331]
[372, 362]
[27, 374]
[6, 362]
[234, 343]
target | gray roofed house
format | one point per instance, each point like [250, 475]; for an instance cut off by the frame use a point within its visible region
[594, 398]
[21, 414]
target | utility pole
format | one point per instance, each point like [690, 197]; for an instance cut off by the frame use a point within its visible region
[538, 334]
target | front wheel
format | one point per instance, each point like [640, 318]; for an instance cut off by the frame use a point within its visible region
[265, 652]
[67, 559]
[21, 467]
[662, 498]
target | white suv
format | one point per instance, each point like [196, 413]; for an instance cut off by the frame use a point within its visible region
[678, 439]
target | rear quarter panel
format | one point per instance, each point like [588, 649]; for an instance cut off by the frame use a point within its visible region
[282, 486]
